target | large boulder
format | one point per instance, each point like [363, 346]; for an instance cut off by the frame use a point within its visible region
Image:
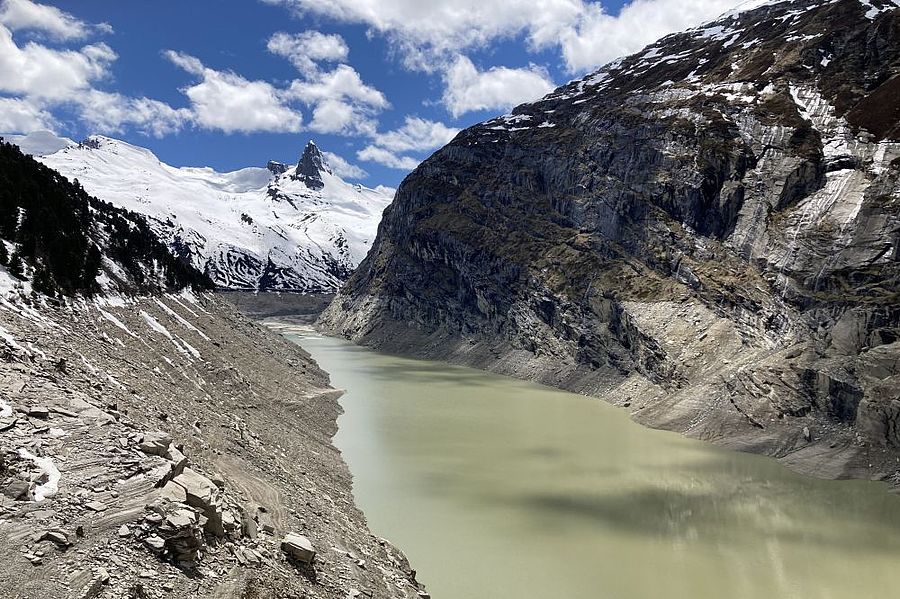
[155, 443]
[298, 547]
[203, 494]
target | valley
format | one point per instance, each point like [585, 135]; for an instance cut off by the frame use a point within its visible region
[704, 233]
[639, 336]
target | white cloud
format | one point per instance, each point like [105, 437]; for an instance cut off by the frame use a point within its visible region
[43, 79]
[385, 190]
[40, 72]
[305, 50]
[341, 102]
[387, 158]
[342, 118]
[341, 83]
[598, 37]
[21, 116]
[342, 168]
[429, 33]
[227, 102]
[423, 30]
[26, 15]
[112, 112]
[468, 89]
[416, 134]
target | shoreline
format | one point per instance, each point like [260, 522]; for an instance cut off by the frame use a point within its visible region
[836, 454]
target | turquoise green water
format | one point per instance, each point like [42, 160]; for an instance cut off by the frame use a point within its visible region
[497, 488]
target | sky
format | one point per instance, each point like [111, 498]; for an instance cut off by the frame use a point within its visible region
[378, 84]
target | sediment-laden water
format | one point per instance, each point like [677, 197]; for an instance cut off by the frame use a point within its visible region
[497, 488]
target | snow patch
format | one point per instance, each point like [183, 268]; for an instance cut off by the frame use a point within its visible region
[11, 341]
[93, 369]
[180, 319]
[39, 143]
[116, 321]
[49, 469]
[180, 344]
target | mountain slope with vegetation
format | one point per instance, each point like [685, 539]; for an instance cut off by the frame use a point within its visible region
[706, 232]
[53, 232]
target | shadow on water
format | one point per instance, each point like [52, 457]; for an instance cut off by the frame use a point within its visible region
[734, 518]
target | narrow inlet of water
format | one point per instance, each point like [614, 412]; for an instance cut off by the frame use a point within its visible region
[499, 489]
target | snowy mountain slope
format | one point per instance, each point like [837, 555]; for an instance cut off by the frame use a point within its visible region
[57, 240]
[282, 228]
[39, 143]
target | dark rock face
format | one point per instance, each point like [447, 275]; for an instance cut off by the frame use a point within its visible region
[718, 215]
[311, 166]
[276, 168]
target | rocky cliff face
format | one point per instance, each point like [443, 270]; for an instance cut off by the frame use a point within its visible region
[707, 232]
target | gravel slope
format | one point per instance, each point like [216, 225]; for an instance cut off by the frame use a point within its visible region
[85, 384]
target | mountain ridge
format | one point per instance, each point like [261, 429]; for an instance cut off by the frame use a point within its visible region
[249, 229]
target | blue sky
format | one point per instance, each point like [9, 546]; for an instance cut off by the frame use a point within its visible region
[378, 83]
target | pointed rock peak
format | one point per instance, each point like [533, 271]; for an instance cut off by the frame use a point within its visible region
[311, 166]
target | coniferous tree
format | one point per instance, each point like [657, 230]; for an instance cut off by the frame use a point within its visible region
[43, 282]
[4, 254]
[93, 260]
[16, 266]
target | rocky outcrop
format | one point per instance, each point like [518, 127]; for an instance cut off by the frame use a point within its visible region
[311, 167]
[706, 231]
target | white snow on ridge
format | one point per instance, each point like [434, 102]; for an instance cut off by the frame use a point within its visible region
[874, 11]
[747, 6]
[242, 228]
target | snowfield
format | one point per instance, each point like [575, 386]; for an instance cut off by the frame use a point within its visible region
[247, 229]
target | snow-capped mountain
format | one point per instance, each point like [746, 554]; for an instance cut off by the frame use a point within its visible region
[291, 228]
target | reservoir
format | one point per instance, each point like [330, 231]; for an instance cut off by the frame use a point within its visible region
[497, 488]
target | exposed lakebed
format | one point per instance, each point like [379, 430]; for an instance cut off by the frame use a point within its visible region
[500, 488]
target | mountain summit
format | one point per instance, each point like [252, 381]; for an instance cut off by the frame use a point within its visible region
[707, 232]
[272, 228]
[312, 166]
